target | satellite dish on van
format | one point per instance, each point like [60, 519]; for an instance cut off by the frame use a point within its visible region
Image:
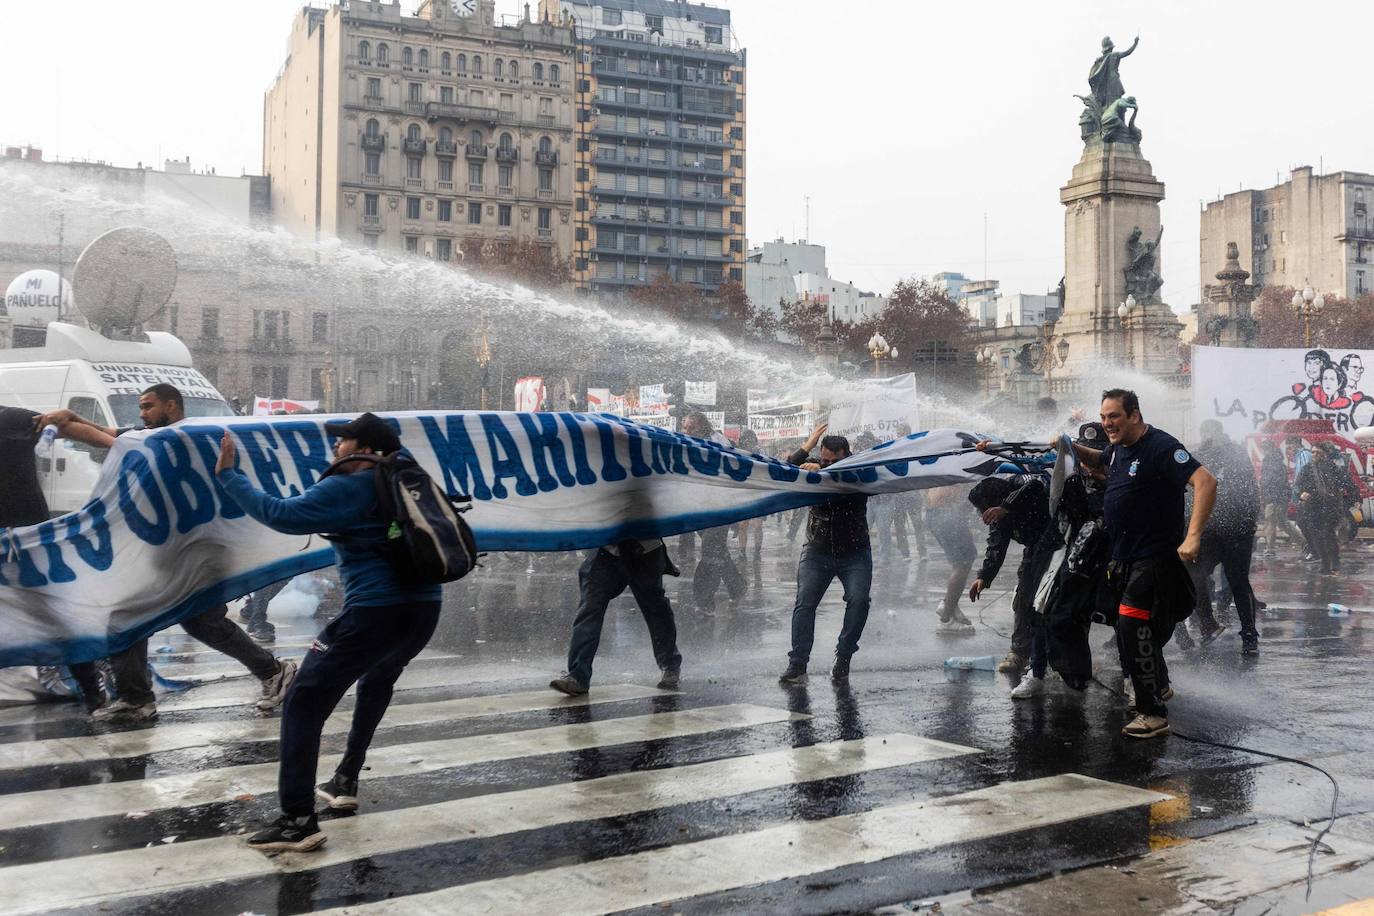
[124, 278]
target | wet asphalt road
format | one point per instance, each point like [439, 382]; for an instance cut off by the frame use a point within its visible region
[644, 799]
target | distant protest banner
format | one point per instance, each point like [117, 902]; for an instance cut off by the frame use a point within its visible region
[160, 541]
[878, 406]
[1245, 387]
[700, 394]
[263, 407]
[598, 400]
[530, 393]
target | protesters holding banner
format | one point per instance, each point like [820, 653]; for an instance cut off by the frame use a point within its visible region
[158, 407]
[385, 623]
[22, 503]
[837, 547]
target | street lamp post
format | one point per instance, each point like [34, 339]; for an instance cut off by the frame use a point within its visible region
[879, 349]
[1123, 311]
[1308, 303]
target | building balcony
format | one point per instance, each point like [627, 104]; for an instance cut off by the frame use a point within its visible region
[507, 154]
[546, 120]
[545, 193]
[476, 187]
[436, 110]
[505, 192]
[375, 142]
[445, 185]
[414, 106]
[371, 179]
[414, 147]
[1363, 233]
[374, 101]
[547, 158]
[265, 344]
[415, 183]
[372, 222]
[477, 151]
[448, 149]
[546, 235]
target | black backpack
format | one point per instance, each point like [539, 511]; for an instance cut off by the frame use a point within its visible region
[427, 538]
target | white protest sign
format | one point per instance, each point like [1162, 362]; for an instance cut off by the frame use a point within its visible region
[879, 406]
[700, 394]
[1245, 387]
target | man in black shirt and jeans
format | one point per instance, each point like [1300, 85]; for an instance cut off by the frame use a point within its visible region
[837, 547]
[1147, 472]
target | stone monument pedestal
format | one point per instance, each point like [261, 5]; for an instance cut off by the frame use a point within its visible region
[1112, 201]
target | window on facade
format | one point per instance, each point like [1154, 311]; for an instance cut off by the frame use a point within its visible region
[505, 176]
[209, 321]
[364, 50]
[413, 132]
[445, 211]
[514, 70]
[611, 17]
[412, 208]
[545, 218]
[407, 57]
[506, 141]
[554, 73]
[446, 94]
[413, 244]
[443, 249]
[372, 128]
[474, 173]
[424, 59]
[369, 204]
[270, 324]
[372, 163]
[713, 34]
[462, 63]
[545, 145]
[374, 87]
[414, 166]
[546, 179]
[476, 65]
[474, 213]
[654, 23]
[498, 69]
[445, 135]
[475, 138]
[445, 169]
[383, 54]
[503, 215]
[1360, 289]
[370, 339]
[446, 61]
[507, 102]
[414, 91]
[319, 327]
[538, 71]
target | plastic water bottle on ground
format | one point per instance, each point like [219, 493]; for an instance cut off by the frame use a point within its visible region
[43, 448]
[972, 662]
[1337, 610]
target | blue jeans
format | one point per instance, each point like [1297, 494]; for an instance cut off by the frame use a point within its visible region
[815, 571]
[603, 577]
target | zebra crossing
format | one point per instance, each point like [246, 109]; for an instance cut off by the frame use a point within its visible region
[629, 797]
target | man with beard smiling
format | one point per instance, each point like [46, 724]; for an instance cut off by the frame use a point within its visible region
[1147, 472]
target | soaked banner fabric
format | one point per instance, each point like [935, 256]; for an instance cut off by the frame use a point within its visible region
[160, 541]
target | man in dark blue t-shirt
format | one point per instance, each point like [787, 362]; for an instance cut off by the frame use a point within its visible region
[1147, 471]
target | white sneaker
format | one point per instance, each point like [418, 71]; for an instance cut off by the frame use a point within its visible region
[1030, 686]
[274, 688]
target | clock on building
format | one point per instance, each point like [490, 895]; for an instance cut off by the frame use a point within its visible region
[464, 7]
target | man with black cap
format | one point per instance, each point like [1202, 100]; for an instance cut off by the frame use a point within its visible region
[386, 621]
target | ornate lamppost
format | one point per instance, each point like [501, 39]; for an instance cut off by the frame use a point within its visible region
[880, 349]
[1308, 303]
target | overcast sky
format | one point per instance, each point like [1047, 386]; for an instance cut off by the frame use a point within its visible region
[904, 121]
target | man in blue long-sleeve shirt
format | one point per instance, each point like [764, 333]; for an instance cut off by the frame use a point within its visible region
[385, 623]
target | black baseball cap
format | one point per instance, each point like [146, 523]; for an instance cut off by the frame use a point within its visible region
[370, 430]
[1092, 435]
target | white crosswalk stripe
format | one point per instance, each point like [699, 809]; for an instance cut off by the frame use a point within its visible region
[226, 783]
[104, 878]
[777, 853]
[169, 737]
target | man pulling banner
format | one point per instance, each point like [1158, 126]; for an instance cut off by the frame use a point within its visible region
[160, 540]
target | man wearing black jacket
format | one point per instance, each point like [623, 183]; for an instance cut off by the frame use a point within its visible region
[837, 547]
[1015, 510]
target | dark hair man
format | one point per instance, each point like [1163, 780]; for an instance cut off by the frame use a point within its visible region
[385, 623]
[1014, 510]
[1147, 472]
[159, 406]
[1229, 538]
[716, 563]
[837, 547]
[22, 502]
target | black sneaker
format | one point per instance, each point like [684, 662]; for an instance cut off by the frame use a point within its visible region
[340, 793]
[795, 673]
[839, 671]
[569, 685]
[289, 834]
[1249, 645]
[669, 680]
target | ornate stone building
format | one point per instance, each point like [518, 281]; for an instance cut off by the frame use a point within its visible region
[431, 133]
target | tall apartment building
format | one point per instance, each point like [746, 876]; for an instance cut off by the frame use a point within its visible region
[1311, 229]
[660, 171]
[430, 133]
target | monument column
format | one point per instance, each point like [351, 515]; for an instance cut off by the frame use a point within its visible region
[1112, 234]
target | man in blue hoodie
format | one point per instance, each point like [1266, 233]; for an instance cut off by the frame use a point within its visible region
[385, 622]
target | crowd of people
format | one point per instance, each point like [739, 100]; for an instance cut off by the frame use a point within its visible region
[1116, 544]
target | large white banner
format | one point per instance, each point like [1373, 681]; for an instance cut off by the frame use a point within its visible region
[1243, 388]
[879, 406]
[700, 394]
[159, 540]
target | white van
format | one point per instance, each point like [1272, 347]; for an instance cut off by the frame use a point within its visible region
[99, 379]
